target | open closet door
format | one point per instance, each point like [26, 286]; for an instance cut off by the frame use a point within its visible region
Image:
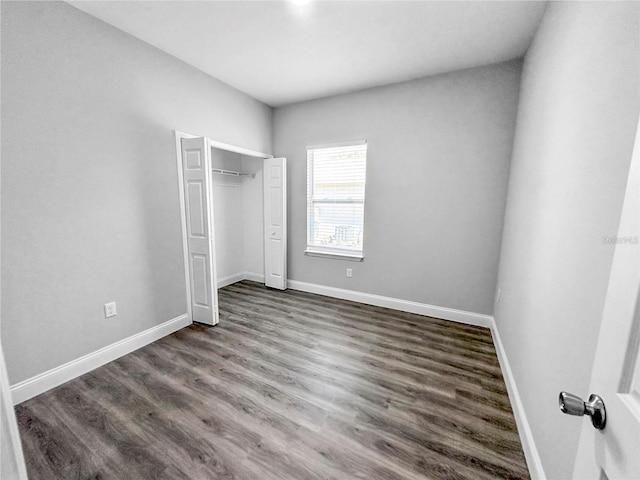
[275, 223]
[196, 167]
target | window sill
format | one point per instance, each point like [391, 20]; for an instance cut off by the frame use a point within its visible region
[353, 257]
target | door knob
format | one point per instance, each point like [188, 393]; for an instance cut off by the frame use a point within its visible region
[573, 405]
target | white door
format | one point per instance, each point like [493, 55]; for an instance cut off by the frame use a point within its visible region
[196, 168]
[275, 223]
[614, 452]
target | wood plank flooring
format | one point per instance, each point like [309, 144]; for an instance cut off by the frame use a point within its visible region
[289, 385]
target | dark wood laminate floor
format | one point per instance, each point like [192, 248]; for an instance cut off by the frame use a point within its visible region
[289, 385]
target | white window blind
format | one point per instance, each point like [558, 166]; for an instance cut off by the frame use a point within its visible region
[336, 177]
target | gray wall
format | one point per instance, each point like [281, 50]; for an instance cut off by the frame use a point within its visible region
[438, 165]
[253, 216]
[228, 213]
[578, 111]
[238, 215]
[90, 210]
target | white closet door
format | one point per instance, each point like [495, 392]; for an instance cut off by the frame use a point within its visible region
[275, 223]
[196, 167]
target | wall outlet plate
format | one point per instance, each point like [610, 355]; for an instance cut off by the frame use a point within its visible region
[110, 310]
[349, 273]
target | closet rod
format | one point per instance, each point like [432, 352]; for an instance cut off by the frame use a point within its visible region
[231, 172]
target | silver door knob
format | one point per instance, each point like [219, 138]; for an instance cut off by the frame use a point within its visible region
[573, 405]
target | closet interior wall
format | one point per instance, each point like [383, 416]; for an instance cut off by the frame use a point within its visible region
[238, 217]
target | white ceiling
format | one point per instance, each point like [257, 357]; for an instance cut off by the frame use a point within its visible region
[280, 52]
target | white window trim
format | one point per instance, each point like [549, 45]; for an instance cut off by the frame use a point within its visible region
[350, 255]
[337, 145]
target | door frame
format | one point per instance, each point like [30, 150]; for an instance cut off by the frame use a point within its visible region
[611, 372]
[9, 430]
[179, 135]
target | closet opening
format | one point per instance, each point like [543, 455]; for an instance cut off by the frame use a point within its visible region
[234, 218]
[237, 202]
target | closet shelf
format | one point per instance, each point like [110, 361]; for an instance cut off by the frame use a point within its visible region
[220, 171]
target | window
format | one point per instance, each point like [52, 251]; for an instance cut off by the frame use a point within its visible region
[335, 199]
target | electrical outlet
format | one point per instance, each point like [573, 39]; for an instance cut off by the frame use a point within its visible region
[498, 295]
[349, 273]
[110, 310]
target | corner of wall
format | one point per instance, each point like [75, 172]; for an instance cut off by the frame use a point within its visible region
[534, 463]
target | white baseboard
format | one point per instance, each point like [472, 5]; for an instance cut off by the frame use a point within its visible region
[526, 437]
[57, 376]
[445, 313]
[228, 280]
[253, 276]
[238, 277]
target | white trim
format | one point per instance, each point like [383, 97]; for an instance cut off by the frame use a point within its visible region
[229, 279]
[183, 218]
[254, 277]
[353, 257]
[57, 376]
[238, 277]
[353, 143]
[224, 146]
[524, 430]
[9, 434]
[212, 236]
[236, 149]
[445, 313]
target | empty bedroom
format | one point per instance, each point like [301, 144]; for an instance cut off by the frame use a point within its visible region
[312, 239]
